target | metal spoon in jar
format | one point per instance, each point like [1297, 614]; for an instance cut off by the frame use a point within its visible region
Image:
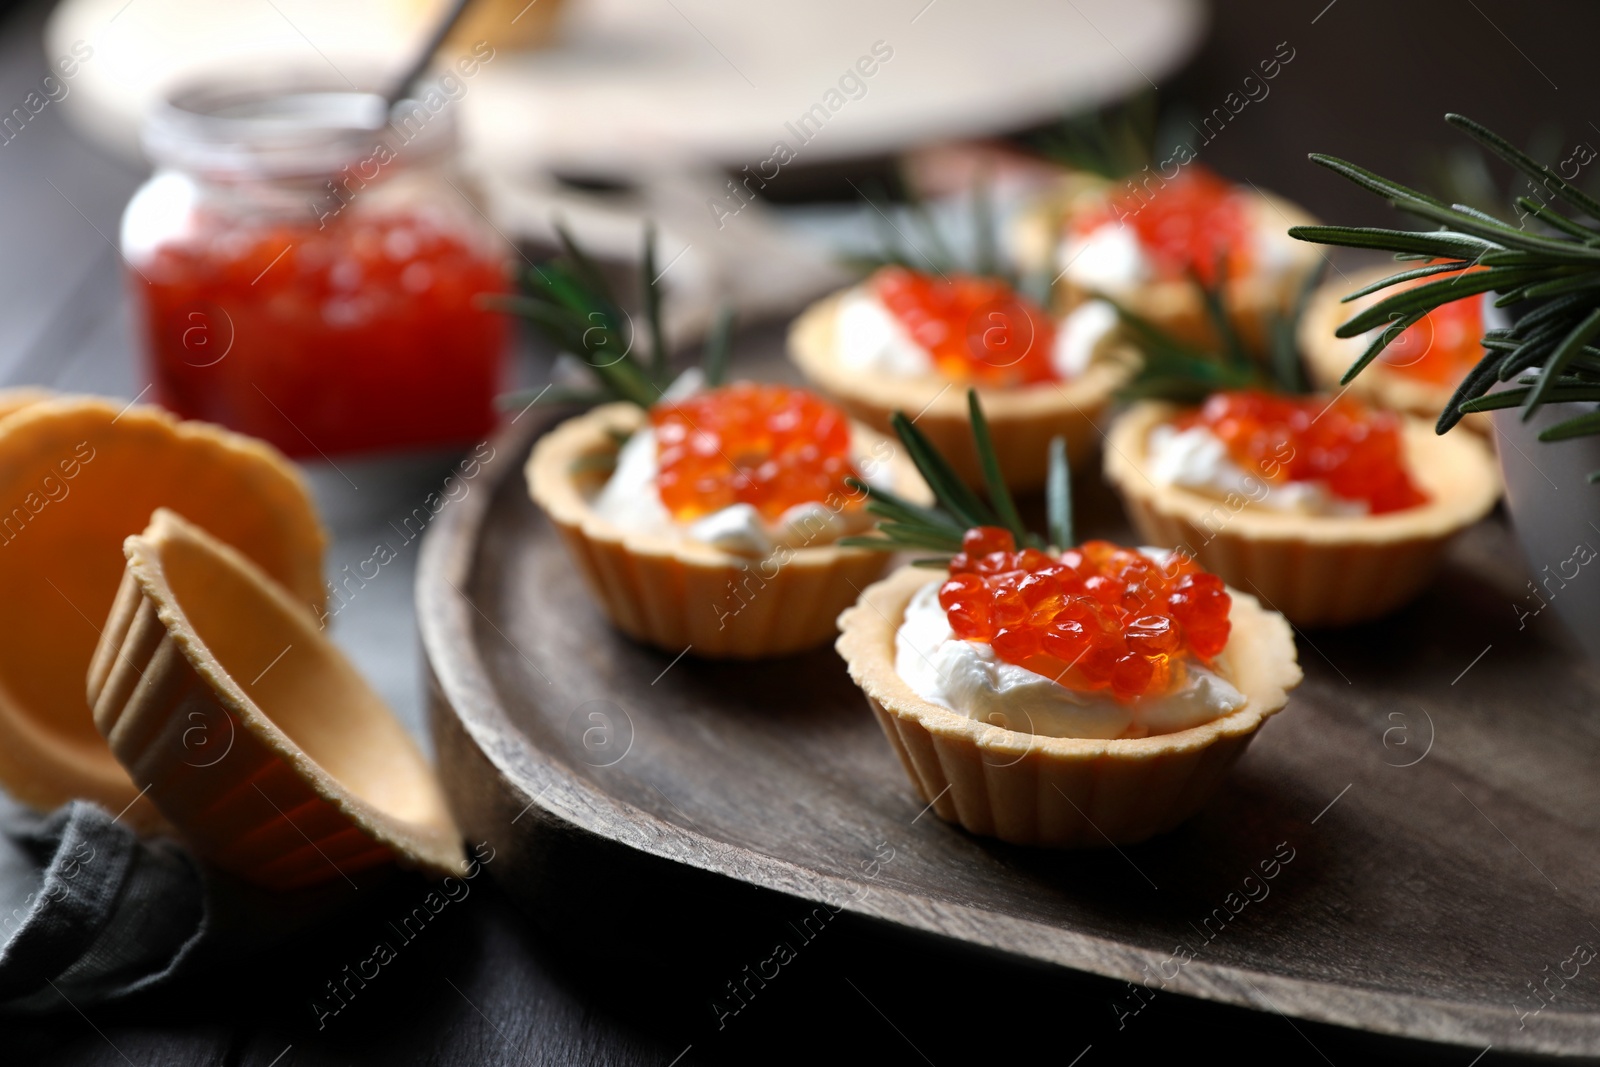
[424, 58]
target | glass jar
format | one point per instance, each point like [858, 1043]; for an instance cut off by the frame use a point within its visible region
[308, 272]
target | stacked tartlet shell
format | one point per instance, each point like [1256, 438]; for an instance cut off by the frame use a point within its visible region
[1328, 357]
[1022, 420]
[678, 594]
[77, 476]
[1175, 305]
[247, 727]
[1060, 791]
[1318, 570]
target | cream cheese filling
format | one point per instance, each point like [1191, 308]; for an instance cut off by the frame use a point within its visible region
[969, 679]
[1198, 460]
[869, 338]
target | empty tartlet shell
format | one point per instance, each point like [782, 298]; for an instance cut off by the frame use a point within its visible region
[1022, 420]
[678, 594]
[1318, 570]
[1175, 305]
[1328, 357]
[251, 731]
[1062, 792]
[61, 561]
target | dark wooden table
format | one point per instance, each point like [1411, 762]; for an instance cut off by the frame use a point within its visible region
[583, 981]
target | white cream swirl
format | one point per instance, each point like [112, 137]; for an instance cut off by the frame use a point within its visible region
[1198, 460]
[968, 678]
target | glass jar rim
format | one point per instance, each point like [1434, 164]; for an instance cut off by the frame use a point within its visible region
[289, 125]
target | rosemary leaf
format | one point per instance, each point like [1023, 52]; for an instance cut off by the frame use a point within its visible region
[1580, 426]
[1376, 183]
[719, 343]
[1435, 244]
[877, 544]
[994, 481]
[1390, 333]
[1510, 398]
[948, 488]
[1555, 219]
[1529, 354]
[652, 307]
[1499, 232]
[915, 536]
[1576, 283]
[1479, 378]
[1211, 296]
[1058, 495]
[1527, 164]
[587, 271]
[986, 256]
[1481, 216]
[884, 502]
[1288, 370]
[1581, 335]
[1395, 279]
[1432, 294]
[943, 260]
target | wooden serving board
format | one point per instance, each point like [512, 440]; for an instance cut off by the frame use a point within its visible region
[1411, 848]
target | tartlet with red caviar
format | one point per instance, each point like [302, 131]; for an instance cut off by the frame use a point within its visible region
[1423, 364]
[1072, 697]
[1139, 242]
[703, 517]
[912, 339]
[1333, 512]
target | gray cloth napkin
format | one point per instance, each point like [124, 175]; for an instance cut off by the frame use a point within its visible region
[91, 912]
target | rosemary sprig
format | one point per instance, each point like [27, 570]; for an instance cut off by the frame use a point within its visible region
[1186, 373]
[904, 526]
[1112, 142]
[714, 361]
[1554, 274]
[568, 301]
[935, 251]
[1058, 494]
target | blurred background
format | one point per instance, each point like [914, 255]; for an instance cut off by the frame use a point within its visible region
[608, 111]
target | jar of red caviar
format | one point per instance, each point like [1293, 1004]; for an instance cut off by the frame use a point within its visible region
[307, 268]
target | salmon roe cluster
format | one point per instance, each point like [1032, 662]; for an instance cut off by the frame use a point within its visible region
[1444, 345]
[1097, 617]
[769, 446]
[976, 329]
[1188, 223]
[1354, 449]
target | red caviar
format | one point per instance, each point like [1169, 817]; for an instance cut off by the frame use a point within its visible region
[364, 334]
[1444, 345]
[976, 329]
[1356, 450]
[1096, 617]
[769, 446]
[1188, 223]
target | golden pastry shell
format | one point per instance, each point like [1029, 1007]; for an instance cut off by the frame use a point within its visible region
[1252, 299]
[1062, 791]
[77, 476]
[249, 729]
[1022, 420]
[1318, 570]
[678, 594]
